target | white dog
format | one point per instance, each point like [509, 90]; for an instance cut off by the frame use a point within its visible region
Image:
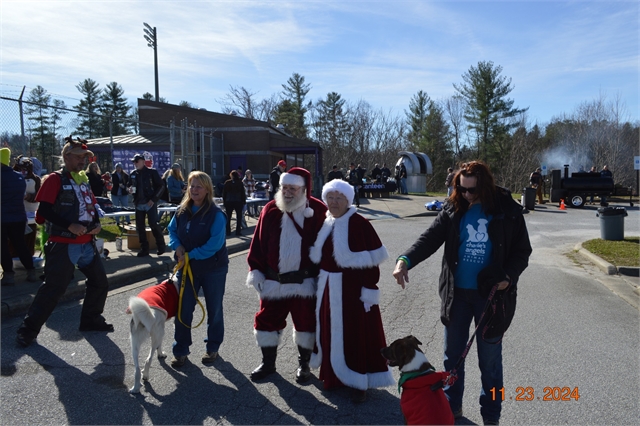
[150, 310]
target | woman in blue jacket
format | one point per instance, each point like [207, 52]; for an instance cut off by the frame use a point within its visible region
[198, 229]
[175, 184]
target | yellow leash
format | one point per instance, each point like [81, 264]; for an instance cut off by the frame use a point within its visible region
[186, 270]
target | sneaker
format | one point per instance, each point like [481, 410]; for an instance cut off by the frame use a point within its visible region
[143, 253]
[490, 422]
[209, 357]
[178, 361]
[457, 413]
[161, 250]
[100, 325]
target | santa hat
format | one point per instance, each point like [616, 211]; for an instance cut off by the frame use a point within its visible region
[340, 186]
[299, 177]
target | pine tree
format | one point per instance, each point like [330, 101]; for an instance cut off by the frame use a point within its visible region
[416, 117]
[88, 109]
[39, 126]
[295, 91]
[488, 111]
[115, 108]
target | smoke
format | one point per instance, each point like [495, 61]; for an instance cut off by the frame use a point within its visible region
[556, 158]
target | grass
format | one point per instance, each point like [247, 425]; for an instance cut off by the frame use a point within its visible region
[618, 253]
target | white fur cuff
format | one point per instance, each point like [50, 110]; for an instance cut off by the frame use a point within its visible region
[255, 279]
[370, 296]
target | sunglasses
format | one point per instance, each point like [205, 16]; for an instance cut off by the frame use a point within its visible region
[464, 190]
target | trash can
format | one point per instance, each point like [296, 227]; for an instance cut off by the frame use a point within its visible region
[529, 198]
[612, 223]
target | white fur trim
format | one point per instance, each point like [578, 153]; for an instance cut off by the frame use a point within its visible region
[255, 279]
[273, 290]
[418, 359]
[291, 179]
[267, 339]
[304, 338]
[344, 257]
[315, 253]
[290, 242]
[308, 212]
[340, 186]
[347, 376]
[370, 296]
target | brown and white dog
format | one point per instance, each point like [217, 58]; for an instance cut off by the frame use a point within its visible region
[150, 310]
[420, 405]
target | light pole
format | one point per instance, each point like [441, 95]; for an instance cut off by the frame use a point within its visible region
[151, 36]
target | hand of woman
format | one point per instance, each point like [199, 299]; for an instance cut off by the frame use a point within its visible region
[180, 253]
[401, 273]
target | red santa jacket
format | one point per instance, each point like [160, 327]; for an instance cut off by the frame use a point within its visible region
[277, 245]
[422, 406]
[163, 296]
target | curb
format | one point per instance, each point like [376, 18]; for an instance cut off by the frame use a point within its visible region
[605, 266]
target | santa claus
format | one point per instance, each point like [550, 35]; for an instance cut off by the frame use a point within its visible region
[282, 273]
[349, 332]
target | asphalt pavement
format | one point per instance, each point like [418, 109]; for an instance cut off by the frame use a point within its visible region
[124, 267]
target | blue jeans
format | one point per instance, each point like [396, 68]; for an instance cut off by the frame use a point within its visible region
[403, 186]
[212, 285]
[467, 306]
[121, 201]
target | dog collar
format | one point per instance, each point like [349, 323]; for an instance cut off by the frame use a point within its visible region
[412, 375]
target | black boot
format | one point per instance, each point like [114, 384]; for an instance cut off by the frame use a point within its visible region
[268, 365]
[303, 373]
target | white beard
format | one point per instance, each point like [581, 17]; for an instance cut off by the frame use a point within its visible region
[295, 204]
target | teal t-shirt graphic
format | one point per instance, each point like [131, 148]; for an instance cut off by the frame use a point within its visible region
[474, 252]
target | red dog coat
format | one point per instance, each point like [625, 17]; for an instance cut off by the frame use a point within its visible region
[163, 296]
[422, 406]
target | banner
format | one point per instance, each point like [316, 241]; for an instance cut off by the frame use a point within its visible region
[159, 160]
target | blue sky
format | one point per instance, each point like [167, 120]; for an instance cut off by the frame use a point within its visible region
[558, 54]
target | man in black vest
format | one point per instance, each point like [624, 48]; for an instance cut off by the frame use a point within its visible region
[147, 187]
[69, 208]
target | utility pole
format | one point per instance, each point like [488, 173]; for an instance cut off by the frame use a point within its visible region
[151, 36]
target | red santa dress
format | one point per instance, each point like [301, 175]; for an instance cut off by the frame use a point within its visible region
[349, 333]
[279, 246]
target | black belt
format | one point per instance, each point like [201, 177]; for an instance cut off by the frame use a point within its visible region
[293, 277]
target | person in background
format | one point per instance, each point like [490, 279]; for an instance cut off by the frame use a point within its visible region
[353, 177]
[482, 228]
[403, 179]
[147, 187]
[448, 182]
[197, 230]
[594, 172]
[335, 173]
[175, 184]
[249, 188]
[24, 166]
[70, 210]
[605, 173]
[95, 179]
[385, 172]
[376, 174]
[14, 221]
[234, 199]
[119, 192]
[274, 178]
[349, 332]
[282, 273]
[535, 180]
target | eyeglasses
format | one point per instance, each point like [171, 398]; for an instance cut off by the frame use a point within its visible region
[464, 190]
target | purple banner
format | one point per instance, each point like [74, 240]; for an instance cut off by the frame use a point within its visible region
[159, 160]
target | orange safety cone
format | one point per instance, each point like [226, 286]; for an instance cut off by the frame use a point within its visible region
[562, 206]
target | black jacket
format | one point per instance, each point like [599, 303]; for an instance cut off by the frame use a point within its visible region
[149, 185]
[507, 232]
[274, 180]
[116, 183]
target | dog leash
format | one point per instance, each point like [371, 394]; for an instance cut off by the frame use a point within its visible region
[453, 376]
[186, 270]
